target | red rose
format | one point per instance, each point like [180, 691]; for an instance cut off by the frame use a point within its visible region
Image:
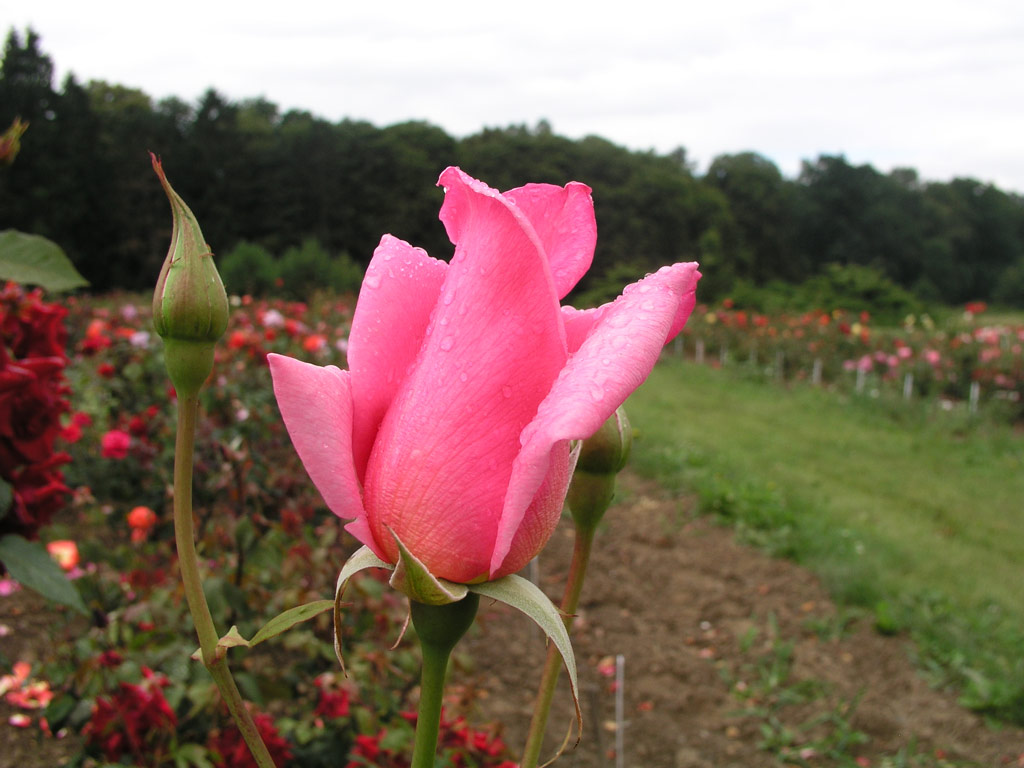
[31, 403]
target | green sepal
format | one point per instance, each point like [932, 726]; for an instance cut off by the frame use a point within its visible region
[362, 559]
[527, 598]
[277, 625]
[412, 578]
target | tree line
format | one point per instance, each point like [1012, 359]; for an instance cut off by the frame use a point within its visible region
[254, 175]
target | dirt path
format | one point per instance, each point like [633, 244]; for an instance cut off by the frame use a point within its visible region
[724, 649]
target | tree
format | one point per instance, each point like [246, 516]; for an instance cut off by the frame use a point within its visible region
[761, 203]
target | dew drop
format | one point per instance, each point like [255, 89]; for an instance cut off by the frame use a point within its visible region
[372, 280]
[648, 305]
[506, 391]
[447, 343]
[388, 255]
[619, 341]
[448, 298]
[596, 393]
[463, 377]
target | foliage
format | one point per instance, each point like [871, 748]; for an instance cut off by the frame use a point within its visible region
[852, 288]
[273, 180]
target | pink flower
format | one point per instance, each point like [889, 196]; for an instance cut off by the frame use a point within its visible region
[114, 444]
[65, 552]
[468, 381]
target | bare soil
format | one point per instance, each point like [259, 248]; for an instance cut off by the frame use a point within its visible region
[699, 620]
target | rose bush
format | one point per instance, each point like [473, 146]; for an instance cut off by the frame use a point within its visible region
[468, 382]
[33, 398]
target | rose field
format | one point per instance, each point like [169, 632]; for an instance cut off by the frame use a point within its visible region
[813, 559]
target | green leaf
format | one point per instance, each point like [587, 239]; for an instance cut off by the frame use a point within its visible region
[289, 619]
[362, 559]
[526, 597]
[34, 260]
[31, 565]
[277, 625]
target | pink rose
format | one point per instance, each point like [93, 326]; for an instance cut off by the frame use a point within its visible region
[452, 430]
[114, 444]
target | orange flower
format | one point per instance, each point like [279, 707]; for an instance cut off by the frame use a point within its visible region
[141, 520]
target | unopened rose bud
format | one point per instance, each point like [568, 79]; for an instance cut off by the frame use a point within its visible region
[190, 306]
[602, 457]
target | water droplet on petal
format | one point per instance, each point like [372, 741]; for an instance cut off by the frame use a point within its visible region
[448, 298]
[447, 343]
[372, 280]
[619, 341]
[648, 305]
[463, 376]
[596, 393]
[388, 255]
[506, 391]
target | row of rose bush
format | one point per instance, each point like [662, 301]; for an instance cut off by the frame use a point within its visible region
[839, 348]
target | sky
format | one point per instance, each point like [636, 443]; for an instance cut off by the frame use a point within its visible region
[937, 86]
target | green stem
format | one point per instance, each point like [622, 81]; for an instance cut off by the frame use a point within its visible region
[553, 665]
[188, 562]
[439, 628]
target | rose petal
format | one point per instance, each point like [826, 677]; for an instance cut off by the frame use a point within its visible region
[542, 515]
[563, 218]
[316, 404]
[618, 353]
[399, 292]
[441, 463]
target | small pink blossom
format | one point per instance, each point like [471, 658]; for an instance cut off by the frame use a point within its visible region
[114, 444]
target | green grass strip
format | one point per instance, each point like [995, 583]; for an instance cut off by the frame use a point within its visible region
[911, 512]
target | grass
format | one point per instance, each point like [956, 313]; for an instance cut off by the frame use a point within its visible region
[914, 513]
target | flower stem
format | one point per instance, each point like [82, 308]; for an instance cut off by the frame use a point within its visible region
[582, 546]
[188, 562]
[439, 628]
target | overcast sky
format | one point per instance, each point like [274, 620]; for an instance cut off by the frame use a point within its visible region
[938, 85]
